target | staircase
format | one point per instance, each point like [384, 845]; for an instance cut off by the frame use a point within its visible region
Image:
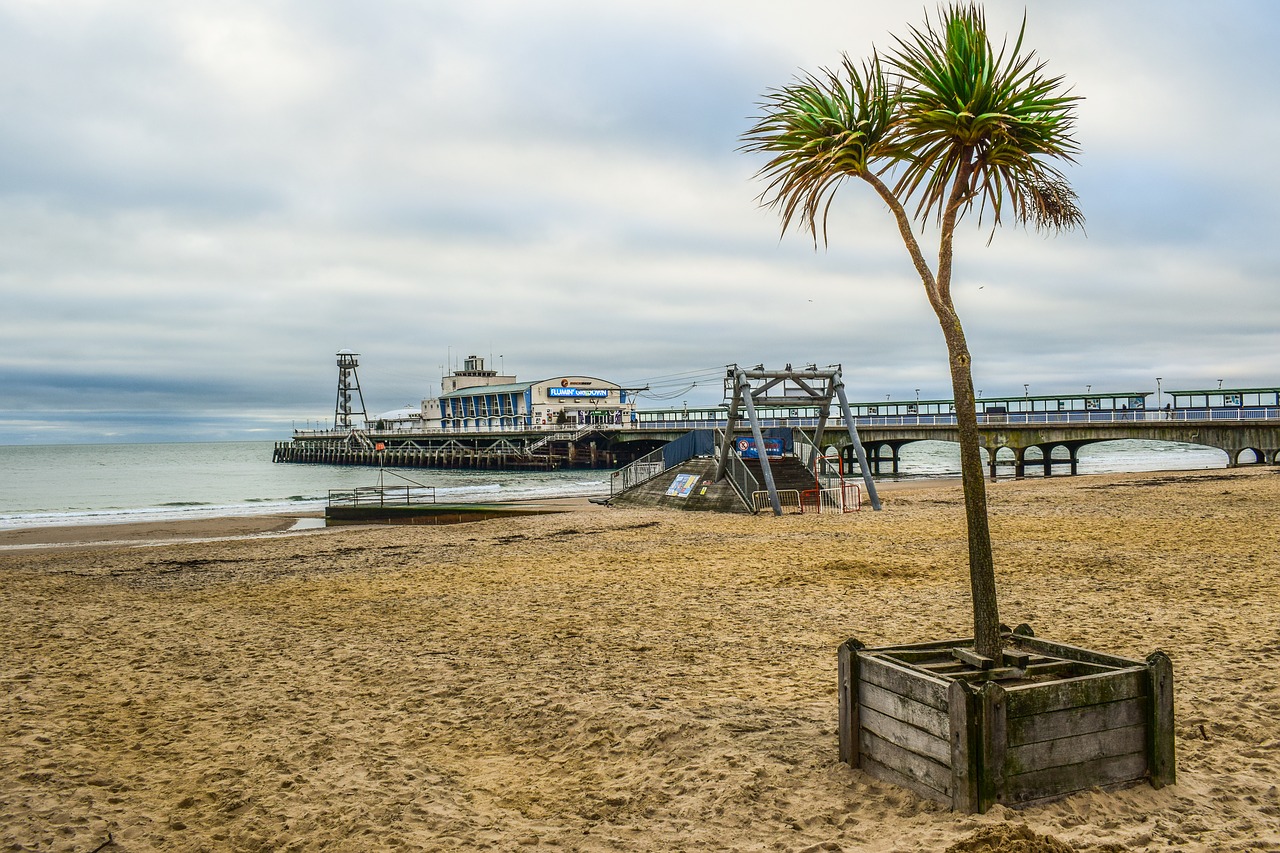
[788, 473]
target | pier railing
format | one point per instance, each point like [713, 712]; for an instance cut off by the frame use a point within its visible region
[383, 496]
[1102, 416]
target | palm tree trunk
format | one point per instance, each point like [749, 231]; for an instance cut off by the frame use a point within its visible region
[982, 573]
[982, 576]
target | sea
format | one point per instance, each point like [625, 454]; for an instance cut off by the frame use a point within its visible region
[61, 485]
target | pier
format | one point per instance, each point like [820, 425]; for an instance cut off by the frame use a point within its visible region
[1043, 431]
[1049, 440]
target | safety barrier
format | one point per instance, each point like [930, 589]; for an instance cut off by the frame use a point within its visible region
[788, 499]
[837, 499]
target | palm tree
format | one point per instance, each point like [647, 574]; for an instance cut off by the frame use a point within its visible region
[945, 121]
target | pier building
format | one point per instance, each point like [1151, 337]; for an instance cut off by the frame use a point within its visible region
[479, 399]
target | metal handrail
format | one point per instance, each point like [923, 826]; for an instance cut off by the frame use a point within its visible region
[383, 496]
[741, 479]
[641, 470]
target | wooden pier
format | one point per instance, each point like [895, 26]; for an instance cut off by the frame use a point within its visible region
[1048, 440]
[504, 451]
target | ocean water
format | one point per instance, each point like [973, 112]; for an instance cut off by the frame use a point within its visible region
[109, 483]
[942, 459]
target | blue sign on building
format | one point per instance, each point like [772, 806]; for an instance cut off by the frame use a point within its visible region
[577, 392]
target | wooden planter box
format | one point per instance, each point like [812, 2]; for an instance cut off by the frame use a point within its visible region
[1046, 721]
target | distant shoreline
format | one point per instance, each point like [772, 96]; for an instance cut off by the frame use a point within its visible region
[277, 523]
[274, 523]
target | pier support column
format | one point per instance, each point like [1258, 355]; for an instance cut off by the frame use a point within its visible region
[872, 452]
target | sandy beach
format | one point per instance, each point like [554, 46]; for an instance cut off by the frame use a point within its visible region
[611, 679]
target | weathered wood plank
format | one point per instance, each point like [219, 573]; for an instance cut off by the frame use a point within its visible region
[1062, 650]
[1027, 699]
[899, 707]
[1078, 749]
[906, 736]
[888, 774]
[965, 747]
[917, 656]
[977, 676]
[847, 690]
[991, 704]
[972, 658]
[935, 645]
[923, 770]
[1077, 721]
[1160, 724]
[940, 666]
[1021, 660]
[1059, 781]
[896, 678]
[1066, 668]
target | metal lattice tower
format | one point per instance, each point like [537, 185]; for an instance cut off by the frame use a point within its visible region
[348, 387]
[787, 387]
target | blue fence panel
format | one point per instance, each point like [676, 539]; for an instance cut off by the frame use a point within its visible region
[698, 442]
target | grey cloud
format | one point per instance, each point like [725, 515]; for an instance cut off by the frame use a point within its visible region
[202, 204]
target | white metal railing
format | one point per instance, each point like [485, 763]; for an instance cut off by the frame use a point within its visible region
[557, 429]
[1108, 416]
[645, 468]
[1119, 416]
[846, 497]
[788, 500]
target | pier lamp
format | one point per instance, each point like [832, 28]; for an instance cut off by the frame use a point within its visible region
[1158, 392]
[917, 395]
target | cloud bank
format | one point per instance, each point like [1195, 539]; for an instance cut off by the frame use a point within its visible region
[203, 202]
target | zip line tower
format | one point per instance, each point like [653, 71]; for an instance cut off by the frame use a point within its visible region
[348, 387]
[748, 389]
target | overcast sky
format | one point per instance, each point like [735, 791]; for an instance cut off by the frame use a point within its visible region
[201, 202]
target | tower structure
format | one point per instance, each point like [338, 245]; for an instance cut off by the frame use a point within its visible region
[786, 388]
[350, 401]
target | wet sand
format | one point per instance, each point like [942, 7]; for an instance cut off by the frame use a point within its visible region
[615, 679]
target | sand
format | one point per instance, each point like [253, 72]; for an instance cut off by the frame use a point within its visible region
[615, 679]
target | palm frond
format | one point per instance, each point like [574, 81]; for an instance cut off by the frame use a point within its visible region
[820, 130]
[968, 107]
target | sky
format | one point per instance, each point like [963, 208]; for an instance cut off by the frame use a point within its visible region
[202, 202]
